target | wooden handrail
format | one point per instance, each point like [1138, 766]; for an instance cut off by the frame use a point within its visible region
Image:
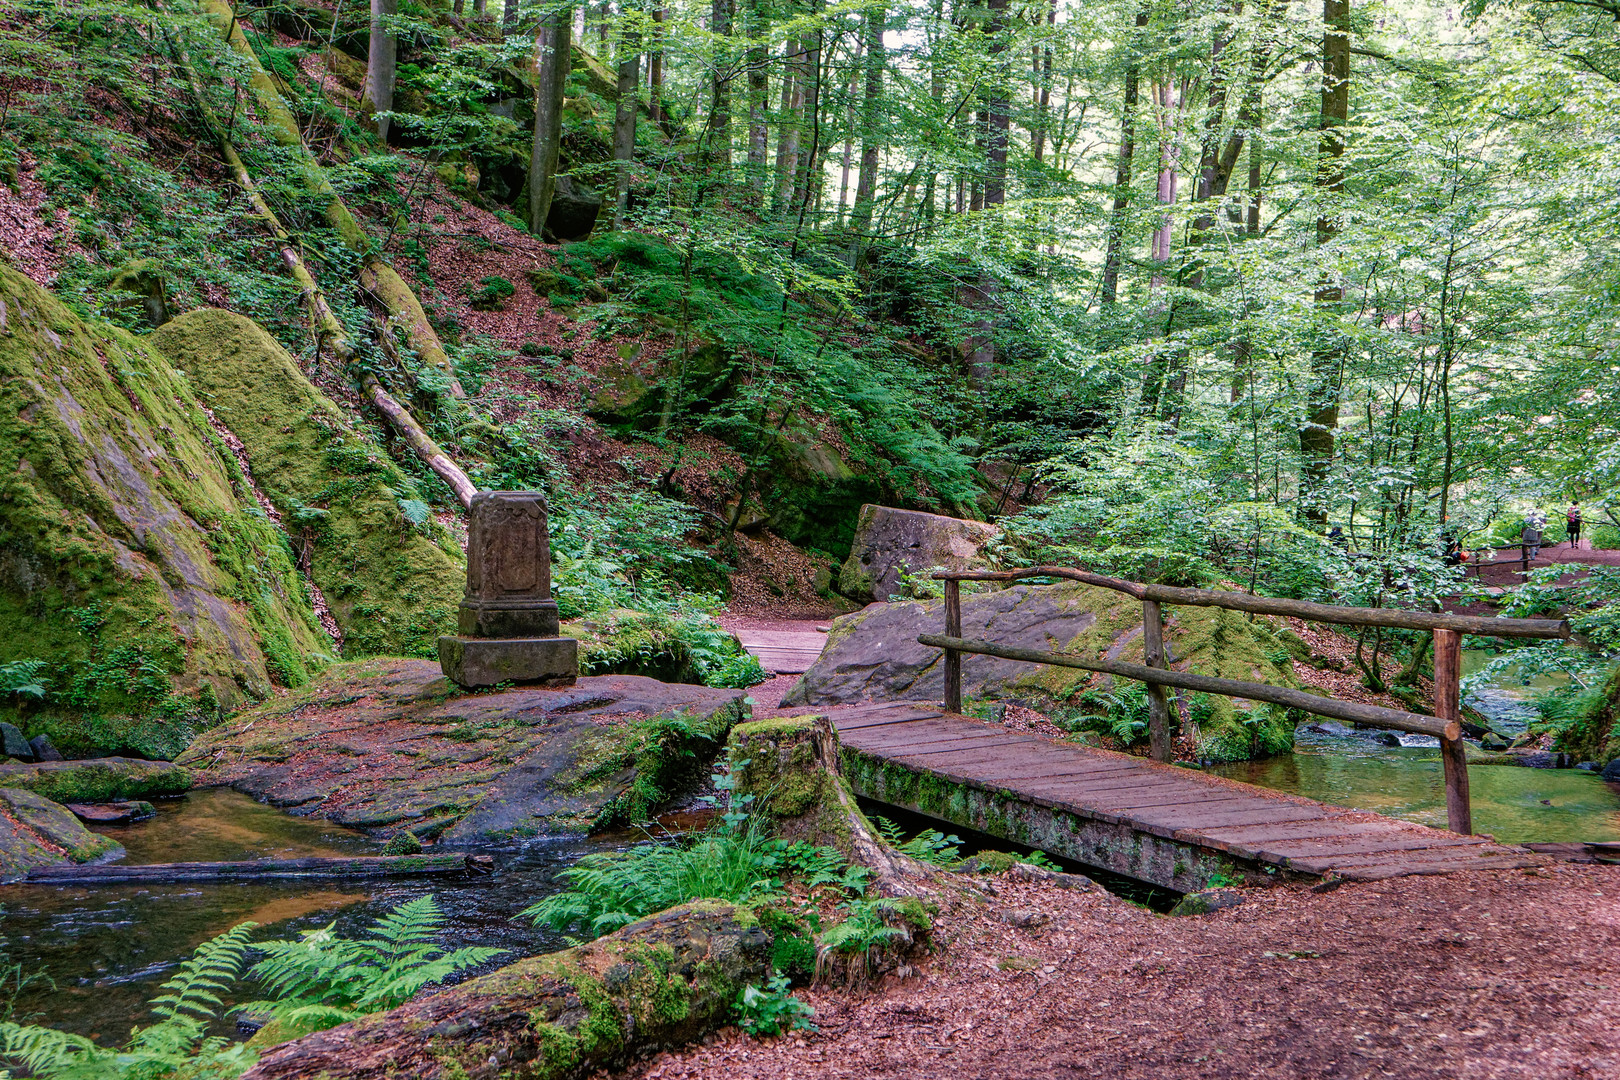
[1268, 605]
[1448, 631]
[1355, 712]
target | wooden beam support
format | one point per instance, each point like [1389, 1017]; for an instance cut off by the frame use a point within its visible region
[1448, 706]
[1298, 609]
[953, 659]
[1158, 703]
[1354, 712]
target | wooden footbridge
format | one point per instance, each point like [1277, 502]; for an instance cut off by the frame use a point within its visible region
[1152, 820]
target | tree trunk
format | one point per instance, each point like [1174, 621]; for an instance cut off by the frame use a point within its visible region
[624, 123]
[1170, 98]
[787, 136]
[655, 67]
[871, 137]
[718, 147]
[381, 61]
[847, 163]
[553, 49]
[1115, 246]
[806, 182]
[509, 18]
[1316, 434]
[1043, 88]
[759, 100]
[998, 109]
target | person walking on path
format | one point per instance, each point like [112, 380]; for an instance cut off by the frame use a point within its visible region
[1573, 520]
[1535, 524]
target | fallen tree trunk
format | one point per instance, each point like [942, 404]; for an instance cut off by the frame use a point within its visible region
[663, 981]
[347, 869]
[329, 332]
[376, 276]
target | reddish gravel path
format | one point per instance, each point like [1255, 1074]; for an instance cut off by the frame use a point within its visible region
[1476, 976]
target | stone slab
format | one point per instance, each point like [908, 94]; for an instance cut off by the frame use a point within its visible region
[479, 662]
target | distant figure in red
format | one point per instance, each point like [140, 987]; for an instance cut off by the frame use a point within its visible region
[1573, 520]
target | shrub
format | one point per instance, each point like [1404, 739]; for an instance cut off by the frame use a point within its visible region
[491, 293]
[1606, 538]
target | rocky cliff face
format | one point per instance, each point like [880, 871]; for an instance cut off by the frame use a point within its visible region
[391, 575]
[134, 562]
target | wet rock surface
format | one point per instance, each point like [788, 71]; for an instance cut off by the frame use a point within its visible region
[98, 780]
[34, 832]
[383, 745]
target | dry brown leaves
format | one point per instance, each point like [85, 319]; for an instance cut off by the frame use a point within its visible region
[1483, 975]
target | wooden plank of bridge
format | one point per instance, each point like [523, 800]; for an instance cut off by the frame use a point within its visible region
[1163, 800]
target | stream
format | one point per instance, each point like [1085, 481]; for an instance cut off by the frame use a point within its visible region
[103, 951]
[1337, 764]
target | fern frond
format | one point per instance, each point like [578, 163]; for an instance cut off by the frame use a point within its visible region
[214, 966]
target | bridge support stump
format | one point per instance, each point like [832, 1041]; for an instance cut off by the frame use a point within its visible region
[1453, 752]
[953, 657]
[1159, 748]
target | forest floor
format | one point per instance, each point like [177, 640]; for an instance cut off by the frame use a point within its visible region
[1482, 975]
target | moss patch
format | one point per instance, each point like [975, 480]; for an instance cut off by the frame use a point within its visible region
[100, 780]
[392, 586]
[132, 558]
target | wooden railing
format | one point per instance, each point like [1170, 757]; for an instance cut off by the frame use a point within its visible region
[1448, 631]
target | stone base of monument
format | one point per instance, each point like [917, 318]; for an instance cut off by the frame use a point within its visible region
[474, 662]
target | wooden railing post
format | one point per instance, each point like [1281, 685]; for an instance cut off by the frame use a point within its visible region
[1158, 701]
[1448, 706]
[953, 657]
[1524, 560]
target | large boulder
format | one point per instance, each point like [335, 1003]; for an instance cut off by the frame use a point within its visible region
[383, 744]
[391, 575]
[873, 655]
[890, 541]
[133, 560]
[640, 388]
[34, 831]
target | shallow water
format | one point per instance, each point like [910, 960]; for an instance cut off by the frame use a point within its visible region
[106, 949]
[1513, 804]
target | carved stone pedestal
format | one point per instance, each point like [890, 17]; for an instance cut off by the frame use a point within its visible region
[508, 620]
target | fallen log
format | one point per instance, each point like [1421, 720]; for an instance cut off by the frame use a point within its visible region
[663, 981]
[347, 869]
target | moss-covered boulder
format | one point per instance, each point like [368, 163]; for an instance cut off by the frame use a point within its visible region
[640, 387]
[133, 560]
[97, 780]
[890, 542]
[34, 831]
[873, 655]
[659, 646]
[664, 981]
[1593, 733]
[391, 575]
[390, 744]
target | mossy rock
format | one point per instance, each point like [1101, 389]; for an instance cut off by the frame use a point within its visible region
[392, 586]
[1594, 734]
[98, 780]
[663, 981]
[34, 831]
[132, 557]
[640, 390]
[625, 642]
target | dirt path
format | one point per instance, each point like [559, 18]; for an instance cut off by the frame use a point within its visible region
[1482, 975]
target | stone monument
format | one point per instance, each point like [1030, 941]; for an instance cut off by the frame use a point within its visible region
[508, 620]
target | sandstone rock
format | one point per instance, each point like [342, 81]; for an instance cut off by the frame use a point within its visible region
[99, 780]
[13, 743]
[34, 831]
[113, 813]
[635, 389]
[388, 744]
[43, 750]
[574, 208]
[873, 655]
[888, 540]
[1492, 741]
[1611, 771]
[662, 981]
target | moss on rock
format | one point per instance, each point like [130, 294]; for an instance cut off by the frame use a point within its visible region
[34, 831]
[132, 558]
[392, 586]
[97, 780]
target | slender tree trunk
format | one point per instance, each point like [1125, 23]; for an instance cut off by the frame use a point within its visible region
[871, 138]
[1114, 249]
[847, 162]
[807, 183]
[787, 136]
[480, 8]
[509, 18]
[381, 62]
[624, 123]
[1316, 434]
[553, 48]
[759, 101]
[998, 109]
[1043, 88]
[718, 150]
[655, 68]
[1170, 98]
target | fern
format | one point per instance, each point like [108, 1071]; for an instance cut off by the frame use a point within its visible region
[322, 980]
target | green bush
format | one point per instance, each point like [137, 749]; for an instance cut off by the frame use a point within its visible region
[1606, 538]
[490, 294]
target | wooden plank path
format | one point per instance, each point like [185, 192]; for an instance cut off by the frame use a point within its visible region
[784, 652]
[1086, 801]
